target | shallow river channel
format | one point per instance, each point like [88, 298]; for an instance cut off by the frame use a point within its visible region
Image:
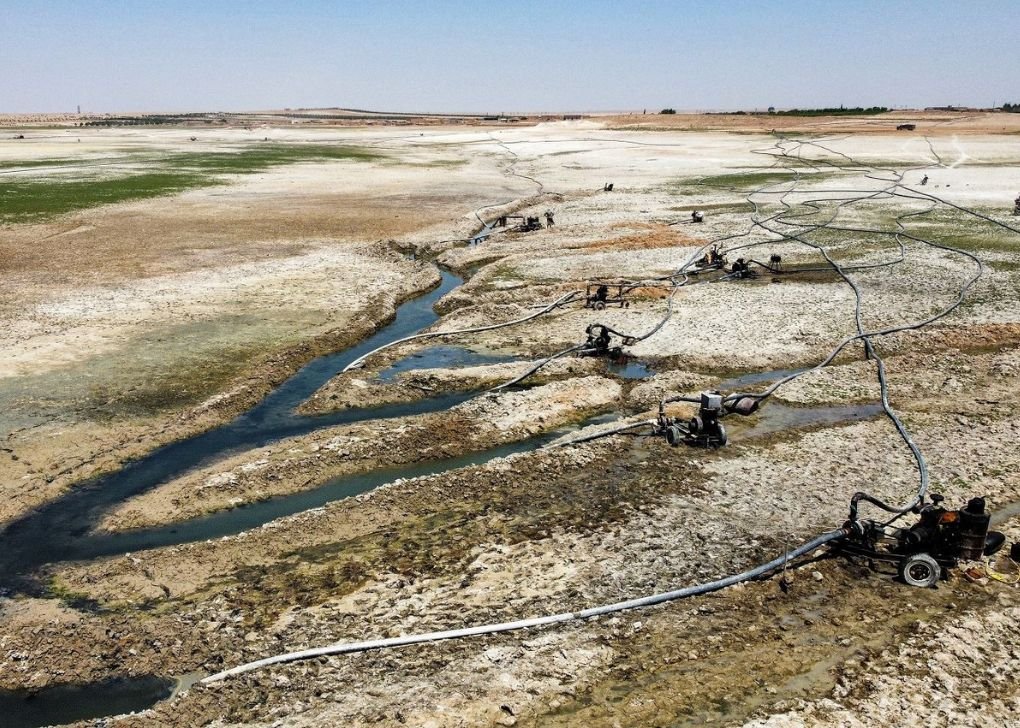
[63, 529]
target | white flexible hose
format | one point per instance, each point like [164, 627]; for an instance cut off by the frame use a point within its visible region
[782, 560]
[415, 639]
[603, 433]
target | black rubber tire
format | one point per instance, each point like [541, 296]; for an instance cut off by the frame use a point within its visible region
[599, 305]
[723, 439]
[920, 570]
[674, 436]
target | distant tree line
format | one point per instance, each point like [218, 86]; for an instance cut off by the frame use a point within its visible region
[841, 111]
[1011, 108]
[668, 111]
[150, 120]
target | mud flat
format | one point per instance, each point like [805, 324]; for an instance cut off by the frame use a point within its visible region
[148, 344]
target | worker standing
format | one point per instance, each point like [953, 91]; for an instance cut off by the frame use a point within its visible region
[1016, 205]
[548, 218]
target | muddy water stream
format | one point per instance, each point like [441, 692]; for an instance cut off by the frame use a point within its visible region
[230, 522]
[440, 357]
[60, 529]
[743, 382]
[777, 417]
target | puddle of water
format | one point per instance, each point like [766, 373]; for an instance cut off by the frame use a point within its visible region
[776, 417]
[470, 271]
[441, 357]
[69, 703]
[745, 381]
[630, 369]
[597, 420]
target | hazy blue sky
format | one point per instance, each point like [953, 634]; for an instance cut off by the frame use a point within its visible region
[490, 55]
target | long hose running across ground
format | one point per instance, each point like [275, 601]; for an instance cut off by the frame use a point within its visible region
[769, 224]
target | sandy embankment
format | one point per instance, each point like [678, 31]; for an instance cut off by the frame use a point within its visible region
[361, 388]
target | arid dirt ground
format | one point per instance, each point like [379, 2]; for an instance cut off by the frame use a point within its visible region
[129, 325]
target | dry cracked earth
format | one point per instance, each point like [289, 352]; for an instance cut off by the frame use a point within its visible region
[128, 326]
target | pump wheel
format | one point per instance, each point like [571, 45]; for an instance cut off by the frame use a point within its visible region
[674, 436]
[599, 305]
[920, 570]
[722, 436]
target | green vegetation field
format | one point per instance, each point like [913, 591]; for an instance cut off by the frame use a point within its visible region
[38, 198]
